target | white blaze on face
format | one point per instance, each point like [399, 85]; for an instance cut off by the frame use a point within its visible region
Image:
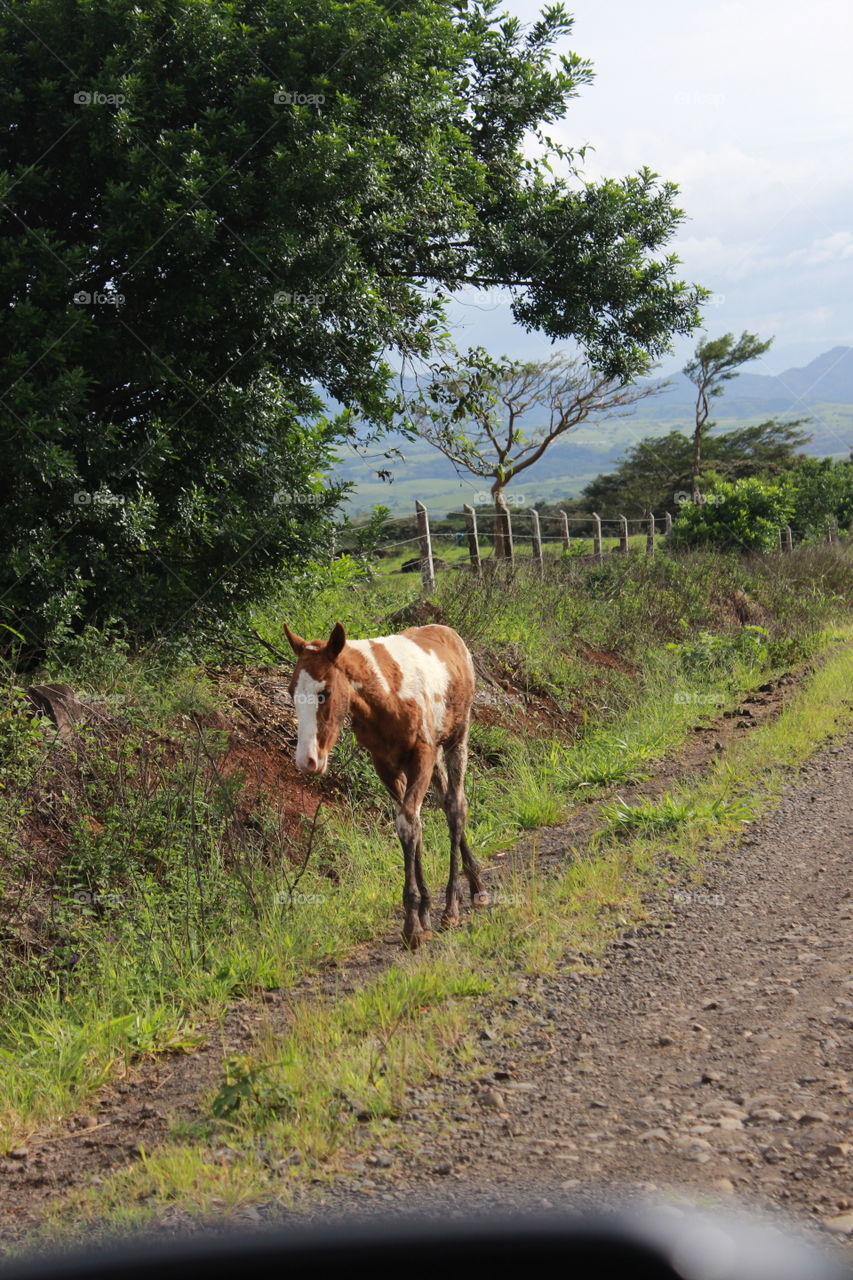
[305, 699]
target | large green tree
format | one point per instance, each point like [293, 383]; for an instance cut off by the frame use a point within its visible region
[822, 491]
[216, 217]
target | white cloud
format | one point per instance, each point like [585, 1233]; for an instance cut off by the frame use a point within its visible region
[834, 248]
[749, 107]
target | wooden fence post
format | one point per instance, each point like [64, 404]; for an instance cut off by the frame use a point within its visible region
[473, 540]
[537, 540]
[779, 539]
[567, 537]
[427, 567]
[596, 536]
[667, 525]
[650, 536]
[789, 538]
[623, 535]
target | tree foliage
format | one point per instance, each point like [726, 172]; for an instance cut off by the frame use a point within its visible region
[496, 418]
[218, 217]
[744, 515]
[822, 493]
[657, 470]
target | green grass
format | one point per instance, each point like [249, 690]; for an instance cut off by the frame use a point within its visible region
[671, 813]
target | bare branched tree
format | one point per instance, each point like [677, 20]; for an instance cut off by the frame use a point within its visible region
[496, 418]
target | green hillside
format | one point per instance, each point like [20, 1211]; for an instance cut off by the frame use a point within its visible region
[564, 470]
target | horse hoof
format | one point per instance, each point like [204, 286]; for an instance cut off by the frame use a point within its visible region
[450, 922]
[414, 940]
[480, 899]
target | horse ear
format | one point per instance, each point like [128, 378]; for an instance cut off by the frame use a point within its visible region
[296, 642]
[336, 640]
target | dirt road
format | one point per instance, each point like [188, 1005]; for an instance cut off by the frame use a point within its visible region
[712, 1053]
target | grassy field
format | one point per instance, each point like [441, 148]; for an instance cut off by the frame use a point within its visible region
[142, 891]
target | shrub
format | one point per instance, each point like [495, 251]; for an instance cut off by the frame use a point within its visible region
[822, 493]
[745, 515]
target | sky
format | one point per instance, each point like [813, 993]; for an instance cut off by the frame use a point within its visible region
[749, 109]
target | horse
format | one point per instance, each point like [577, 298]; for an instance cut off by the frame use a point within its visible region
[409, 697]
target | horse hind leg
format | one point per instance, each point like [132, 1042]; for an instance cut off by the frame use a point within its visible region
[441, 787]
[457, 764]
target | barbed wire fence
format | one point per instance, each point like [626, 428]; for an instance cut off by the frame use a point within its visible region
[541, 530]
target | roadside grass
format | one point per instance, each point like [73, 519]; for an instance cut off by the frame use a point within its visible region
[670, 813]
[295, 1109]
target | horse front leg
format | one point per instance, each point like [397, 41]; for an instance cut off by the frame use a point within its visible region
[408, 825]
[416, 900]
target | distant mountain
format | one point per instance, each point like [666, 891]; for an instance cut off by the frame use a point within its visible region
[821, 391]
[828, 379]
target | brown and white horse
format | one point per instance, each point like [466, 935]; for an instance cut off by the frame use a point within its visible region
[410, 699]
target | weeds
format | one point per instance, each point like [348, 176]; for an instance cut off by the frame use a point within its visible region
[670, 813]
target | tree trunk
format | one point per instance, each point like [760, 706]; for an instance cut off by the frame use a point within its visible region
[701, 419]
[696, 493]
[503, 547]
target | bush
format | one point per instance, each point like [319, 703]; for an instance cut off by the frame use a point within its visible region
[745, 515]
[822, 493]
